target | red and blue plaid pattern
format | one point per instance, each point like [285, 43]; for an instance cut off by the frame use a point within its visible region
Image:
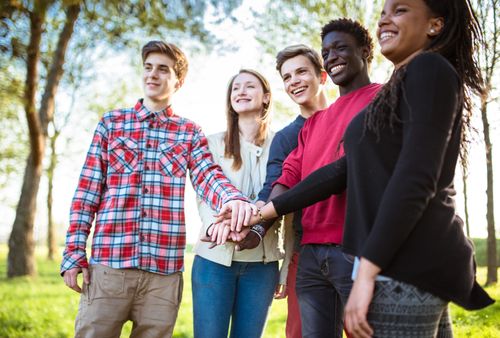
[133, 180]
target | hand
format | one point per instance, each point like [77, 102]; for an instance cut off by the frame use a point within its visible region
[239, 212]
[231, 237]
[249, 241]
[71, 278]
[359, 301]
[260, 204]
[281, 291]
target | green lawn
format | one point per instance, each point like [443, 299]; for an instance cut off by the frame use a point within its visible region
[44, 307]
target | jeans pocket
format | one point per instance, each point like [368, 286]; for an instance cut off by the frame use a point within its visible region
[348, 258]
[123, 155]
[173, 159]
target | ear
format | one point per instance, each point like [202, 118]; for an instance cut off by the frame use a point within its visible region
[266, 98]
[365, 52]
[179, 84]
[324, 76]
[436, 25]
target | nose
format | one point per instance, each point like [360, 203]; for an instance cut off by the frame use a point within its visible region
[294, 80]
[384, 18]
[331, 56]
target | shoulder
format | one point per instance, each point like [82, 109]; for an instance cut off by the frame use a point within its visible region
[431, 63]
[117, 115]
[216, 141]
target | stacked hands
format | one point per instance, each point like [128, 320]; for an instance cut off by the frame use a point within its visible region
[233, 224]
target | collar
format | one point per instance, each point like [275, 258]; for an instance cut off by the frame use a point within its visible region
[143, 113]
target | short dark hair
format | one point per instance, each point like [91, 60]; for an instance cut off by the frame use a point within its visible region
[296, 50]
[353, 28]
[170, 50]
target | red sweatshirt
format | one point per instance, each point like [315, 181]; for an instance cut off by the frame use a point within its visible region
[318, 145]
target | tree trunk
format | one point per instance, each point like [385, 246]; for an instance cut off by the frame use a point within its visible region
[492, 275]
[21, 259]
[51, 233]
[21, 244]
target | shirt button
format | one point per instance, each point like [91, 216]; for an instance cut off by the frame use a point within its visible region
[151, 126]
[144, 214]
[142, 238]
[148, 145]
[148, 167]
[146, 190]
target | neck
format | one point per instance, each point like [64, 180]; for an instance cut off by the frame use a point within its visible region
[156, 105]
[319, 102]
[249, 124]
[360, 81]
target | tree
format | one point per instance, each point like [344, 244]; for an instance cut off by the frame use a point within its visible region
[488, 16]
[38, 32]
[287, 22]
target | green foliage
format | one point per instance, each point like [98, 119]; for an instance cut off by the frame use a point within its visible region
[13, 137]
[481, 253]
[45, 307]
[287, 22]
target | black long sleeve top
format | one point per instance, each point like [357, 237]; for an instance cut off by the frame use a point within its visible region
[400, 208]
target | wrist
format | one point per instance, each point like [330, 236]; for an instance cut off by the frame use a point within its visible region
[259, 230]
[262, 219]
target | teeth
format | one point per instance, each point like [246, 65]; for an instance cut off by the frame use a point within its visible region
[386, 35]
[298, 90]
[336, 69]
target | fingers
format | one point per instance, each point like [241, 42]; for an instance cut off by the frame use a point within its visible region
[281, 291]
[70, 279]
[86, 275]
[251, 210]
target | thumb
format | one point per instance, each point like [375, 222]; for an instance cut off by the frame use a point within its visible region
[86, 275]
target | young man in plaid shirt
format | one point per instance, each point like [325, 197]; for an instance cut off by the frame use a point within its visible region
[133, 183]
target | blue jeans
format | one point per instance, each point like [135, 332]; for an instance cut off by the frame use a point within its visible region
[241, 293]
[323, 286]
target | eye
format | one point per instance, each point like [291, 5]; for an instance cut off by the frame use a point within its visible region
[400, 10]
[324, 54]
[147, 67]
[286, 78]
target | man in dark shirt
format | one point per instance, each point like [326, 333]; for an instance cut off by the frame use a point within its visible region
[301, 69]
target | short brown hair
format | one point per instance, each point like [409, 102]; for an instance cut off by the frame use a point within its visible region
[296, 50]
[170, 50]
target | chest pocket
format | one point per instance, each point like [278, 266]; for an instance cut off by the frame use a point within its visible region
[173, 159]
[123, 154]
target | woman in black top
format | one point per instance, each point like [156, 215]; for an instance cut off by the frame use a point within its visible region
[401, 153]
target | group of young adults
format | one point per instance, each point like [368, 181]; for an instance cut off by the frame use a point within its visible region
[372, 244]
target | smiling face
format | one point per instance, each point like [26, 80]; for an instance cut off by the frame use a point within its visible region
[159, 80]
[247, 94]
[344, 60]
[301, 81]
[405, 29]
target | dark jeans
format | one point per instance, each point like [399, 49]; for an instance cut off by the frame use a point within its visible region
[323, 286]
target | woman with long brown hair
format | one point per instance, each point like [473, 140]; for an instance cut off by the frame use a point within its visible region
[232, 287]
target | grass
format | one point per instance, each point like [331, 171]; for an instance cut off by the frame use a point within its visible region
[43, 306]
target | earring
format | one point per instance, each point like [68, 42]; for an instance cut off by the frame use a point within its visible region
[433, 31]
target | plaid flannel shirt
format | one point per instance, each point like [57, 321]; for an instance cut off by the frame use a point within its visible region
[133, 182]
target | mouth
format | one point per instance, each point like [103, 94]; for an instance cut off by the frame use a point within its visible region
[299, 90]
[384, 36]
[242, 100]
[335, 70]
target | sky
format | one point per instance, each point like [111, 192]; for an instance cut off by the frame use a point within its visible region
[202, 99]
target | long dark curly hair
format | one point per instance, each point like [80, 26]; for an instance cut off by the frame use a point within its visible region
[457, 41]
